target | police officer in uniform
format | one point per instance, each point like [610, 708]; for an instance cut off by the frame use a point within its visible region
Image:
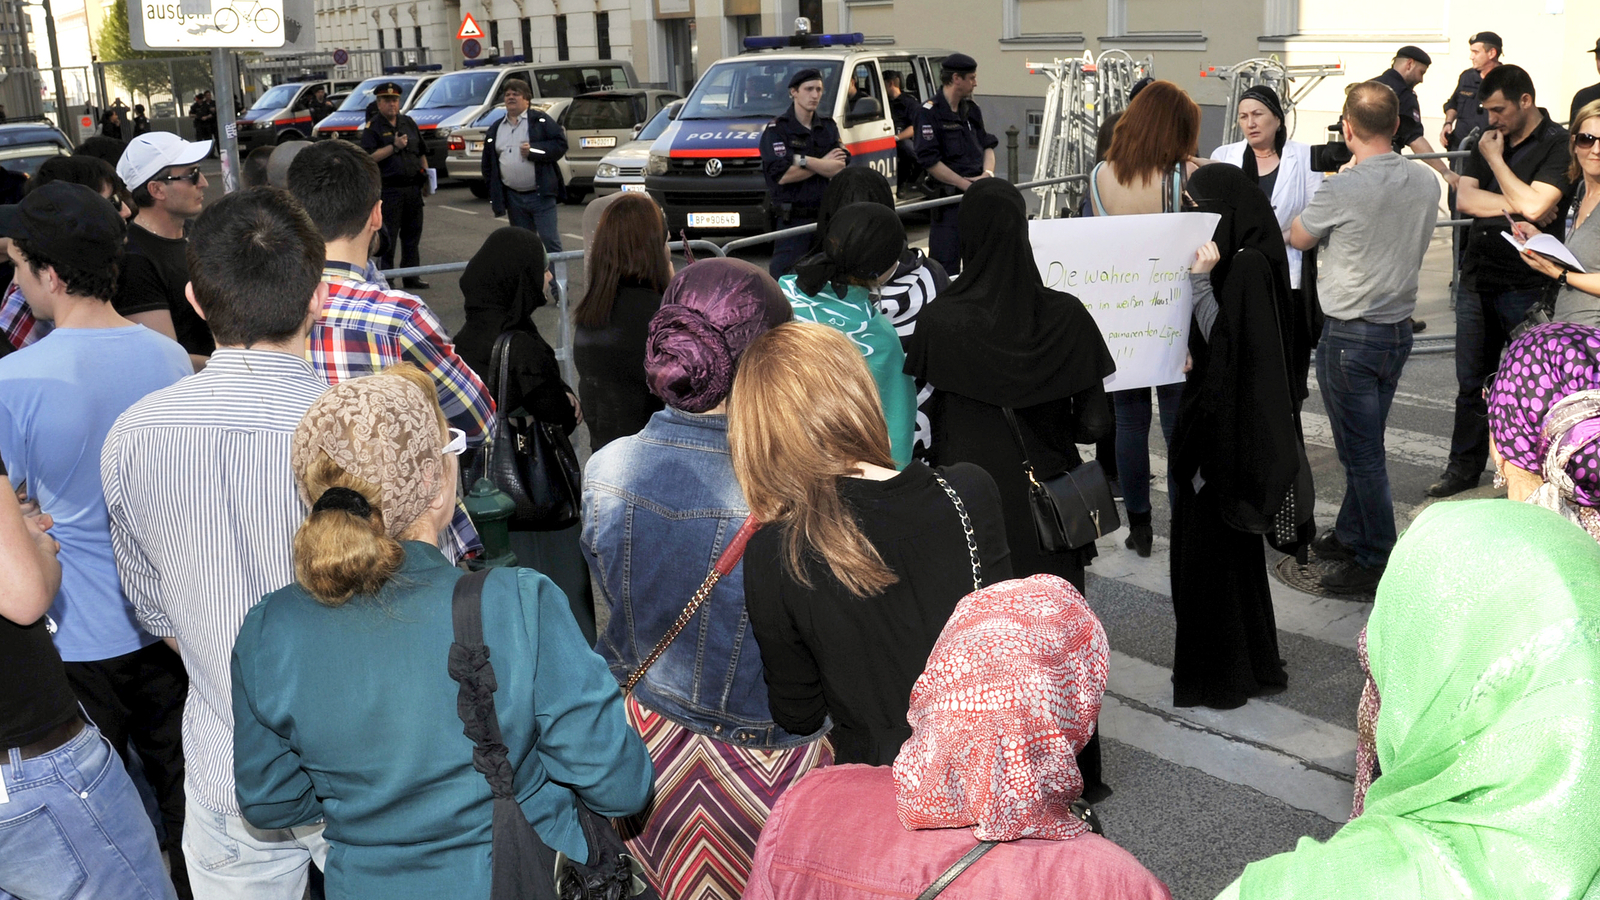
[953, 146]
[1464, 118]
[903, 106]
[396, 144]
[1409, 66]
[800, 151]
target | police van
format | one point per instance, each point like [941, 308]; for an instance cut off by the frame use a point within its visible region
[282, 114]
[471, 97]
[705, 169]
[351, 117]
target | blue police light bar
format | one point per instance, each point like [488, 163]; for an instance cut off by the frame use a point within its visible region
[805, 40]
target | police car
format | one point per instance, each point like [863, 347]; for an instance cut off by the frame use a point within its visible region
[471, 99]
[351, 116]
[282, 113]
[705, 169]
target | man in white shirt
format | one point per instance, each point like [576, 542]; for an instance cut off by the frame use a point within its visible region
[519, 161]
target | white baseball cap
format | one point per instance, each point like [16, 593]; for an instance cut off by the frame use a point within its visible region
[149, 153]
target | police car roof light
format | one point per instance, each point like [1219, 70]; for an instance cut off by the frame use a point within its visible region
[314, 76]
[504, 60]
[805, 40]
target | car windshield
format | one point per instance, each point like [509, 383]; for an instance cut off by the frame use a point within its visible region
[754, 88]
[570, 81]
[657, 125]
[601, 113]
[278, 97]
[459, 89]
[362, 95]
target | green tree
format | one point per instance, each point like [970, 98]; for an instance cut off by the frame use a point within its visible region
[144, 73]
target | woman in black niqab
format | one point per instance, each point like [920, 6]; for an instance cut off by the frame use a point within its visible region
[1238, 456]
[998, 338]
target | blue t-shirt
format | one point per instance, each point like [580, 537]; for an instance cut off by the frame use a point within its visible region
[58, 399]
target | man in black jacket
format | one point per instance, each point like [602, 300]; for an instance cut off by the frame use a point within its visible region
[396, 145]
[519, 161]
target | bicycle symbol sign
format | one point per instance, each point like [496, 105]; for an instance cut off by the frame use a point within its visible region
[230, 23]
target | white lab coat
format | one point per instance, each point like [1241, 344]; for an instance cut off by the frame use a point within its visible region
[1295, 187]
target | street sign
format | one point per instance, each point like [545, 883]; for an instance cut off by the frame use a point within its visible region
[470, 48]
[226, 23]
[341, 56]
[469, 28]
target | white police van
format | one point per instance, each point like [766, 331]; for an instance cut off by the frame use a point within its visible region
[705, 169]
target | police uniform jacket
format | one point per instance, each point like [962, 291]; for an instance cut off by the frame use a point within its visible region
[785, 138]
[1410, 110]
[403, 168]
[955, 137]
[543, 134]
[903, 110]
[1469, 111]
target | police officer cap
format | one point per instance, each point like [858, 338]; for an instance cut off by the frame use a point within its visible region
[959, 63]
[1416, 53]
[1488, 39]
[803, 76]
[388, 89]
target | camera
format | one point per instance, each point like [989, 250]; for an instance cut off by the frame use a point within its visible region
[1333, 155]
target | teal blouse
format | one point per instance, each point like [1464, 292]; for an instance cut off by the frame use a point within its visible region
[349, 713]
[858, 318]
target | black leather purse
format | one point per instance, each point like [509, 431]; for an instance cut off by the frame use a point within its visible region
[531, 461]
[1070, 510]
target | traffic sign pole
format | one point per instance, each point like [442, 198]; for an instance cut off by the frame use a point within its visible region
[227, 129]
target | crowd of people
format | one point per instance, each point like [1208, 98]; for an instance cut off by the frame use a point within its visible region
[838, 657]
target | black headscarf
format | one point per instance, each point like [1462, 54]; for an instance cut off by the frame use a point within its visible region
[864, 241]
[856, 184]
[1267, 97]
[998, 335]
[502, 286]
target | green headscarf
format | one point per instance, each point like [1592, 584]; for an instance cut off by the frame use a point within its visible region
[1485, 646]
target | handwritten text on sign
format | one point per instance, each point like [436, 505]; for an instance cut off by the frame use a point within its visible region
[1132, 272]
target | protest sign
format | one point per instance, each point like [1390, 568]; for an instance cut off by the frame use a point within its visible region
[1132, 272]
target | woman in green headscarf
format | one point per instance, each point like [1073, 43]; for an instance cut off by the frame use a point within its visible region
[1488, 738]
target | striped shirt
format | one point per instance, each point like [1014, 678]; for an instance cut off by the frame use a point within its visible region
[17, 321]
[365, 329]
[203, 511]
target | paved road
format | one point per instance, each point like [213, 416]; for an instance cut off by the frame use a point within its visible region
[1199, 793]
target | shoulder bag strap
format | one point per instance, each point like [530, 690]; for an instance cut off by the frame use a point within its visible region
[500, 365]
[954, 872]
[1016, 432]
[730, 557]
[966, 526]
[1094, 189]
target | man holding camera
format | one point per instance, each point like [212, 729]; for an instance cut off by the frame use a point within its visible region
[1376, 217]
[1518, 170]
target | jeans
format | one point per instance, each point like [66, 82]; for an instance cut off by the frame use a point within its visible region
[535, 212]
[73, 827]
[1133, 444]
[402, 224]
[790, 250]
[230, 859]
[1358, 367]
[1484, 320]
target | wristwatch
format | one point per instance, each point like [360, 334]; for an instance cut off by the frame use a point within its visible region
[1562, 278]
[801, 160]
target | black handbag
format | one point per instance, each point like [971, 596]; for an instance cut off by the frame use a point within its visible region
[531, 461]
[524, 867]
[1070, 510]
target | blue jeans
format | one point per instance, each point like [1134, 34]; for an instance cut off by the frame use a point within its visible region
[73, 826]
[1358, 367]
[230, 859]
[535, 212]
[1133, 444]
[1484, 320]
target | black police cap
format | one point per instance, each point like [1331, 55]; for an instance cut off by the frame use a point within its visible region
[1416, 53]
[803, 76]
[959, 63]
[1488, 39]
[388, 89]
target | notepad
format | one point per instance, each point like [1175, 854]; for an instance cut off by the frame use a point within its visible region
[1546, 245]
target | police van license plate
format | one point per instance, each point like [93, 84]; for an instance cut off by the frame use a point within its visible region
[633, 187]
[713, 220]
[597, 142]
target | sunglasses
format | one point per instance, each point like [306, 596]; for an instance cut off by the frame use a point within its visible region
[193, 178]
[457, 444]
[1584, 140]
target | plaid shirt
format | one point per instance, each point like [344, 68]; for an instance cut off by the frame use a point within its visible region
[17, 321]
[365, 329]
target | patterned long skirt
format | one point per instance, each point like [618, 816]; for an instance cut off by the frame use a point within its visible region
[698, 835]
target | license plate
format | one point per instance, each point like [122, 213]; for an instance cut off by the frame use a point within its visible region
[713, 220]
[597, 142]
[476, 146]
[640, 188]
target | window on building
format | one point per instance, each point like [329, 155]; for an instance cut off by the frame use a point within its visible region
[1162, 16]
[812, 9]
[380, 39]
[743, 27]
[399, 38]
[602, 33]
[1045, 18]
[561, 38]
[1035, 125]
[527, 39]
[494, 35]
[416, 32]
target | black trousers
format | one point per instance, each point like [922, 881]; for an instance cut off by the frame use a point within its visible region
[138, 697]
[402, 224]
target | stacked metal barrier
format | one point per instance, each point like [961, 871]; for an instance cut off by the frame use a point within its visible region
[1271, 72]
[1083, 92]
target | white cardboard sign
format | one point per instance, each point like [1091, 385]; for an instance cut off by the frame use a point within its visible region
[1132, 272]
[209, 23]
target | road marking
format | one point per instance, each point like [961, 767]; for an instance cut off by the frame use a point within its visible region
[470, 212]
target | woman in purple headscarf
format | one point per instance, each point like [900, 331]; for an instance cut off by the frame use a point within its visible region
[659, 507]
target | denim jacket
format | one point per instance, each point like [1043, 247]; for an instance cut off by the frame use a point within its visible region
[658, 509]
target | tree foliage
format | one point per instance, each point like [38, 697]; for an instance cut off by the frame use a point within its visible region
[143, 74]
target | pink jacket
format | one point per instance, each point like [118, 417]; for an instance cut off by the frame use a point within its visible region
[834, 835]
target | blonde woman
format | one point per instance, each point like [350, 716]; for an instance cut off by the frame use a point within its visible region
[344, 708]
[858, 566]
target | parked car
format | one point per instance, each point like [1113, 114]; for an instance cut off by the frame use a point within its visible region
[596, 123]
[464, 153]
[623, 168]
[350, 115]
[281, 114]
[24, 146]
